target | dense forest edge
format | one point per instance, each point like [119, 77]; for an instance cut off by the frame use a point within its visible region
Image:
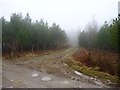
[21, 34]
[101, 45]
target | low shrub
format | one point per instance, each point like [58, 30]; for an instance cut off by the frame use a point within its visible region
[105, 61]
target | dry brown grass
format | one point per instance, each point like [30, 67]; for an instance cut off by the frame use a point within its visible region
[104, 61]
[7, 55]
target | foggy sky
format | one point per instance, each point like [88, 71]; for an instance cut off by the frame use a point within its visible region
[69, 14]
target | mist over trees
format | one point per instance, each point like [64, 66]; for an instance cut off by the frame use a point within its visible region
[104, 38]
[21, 34]
[73, 38]
[100, 40]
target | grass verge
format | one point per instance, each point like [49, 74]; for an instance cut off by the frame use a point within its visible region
[103, 76]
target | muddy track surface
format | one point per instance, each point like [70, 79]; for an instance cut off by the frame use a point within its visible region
[47, 71]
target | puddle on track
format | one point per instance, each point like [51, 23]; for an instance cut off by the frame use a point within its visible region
[46, 78]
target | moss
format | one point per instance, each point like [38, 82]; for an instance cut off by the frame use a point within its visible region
[93, 72]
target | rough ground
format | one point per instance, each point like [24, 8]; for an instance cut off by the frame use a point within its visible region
[46, 71]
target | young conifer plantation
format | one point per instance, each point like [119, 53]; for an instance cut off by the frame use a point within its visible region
[21, 34]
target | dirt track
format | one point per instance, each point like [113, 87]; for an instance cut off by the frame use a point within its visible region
[47, 71]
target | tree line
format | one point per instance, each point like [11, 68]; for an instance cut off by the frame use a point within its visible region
[105, 37]
[102, 38]
[21, 34]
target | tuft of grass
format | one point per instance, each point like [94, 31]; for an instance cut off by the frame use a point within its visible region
[92, 72]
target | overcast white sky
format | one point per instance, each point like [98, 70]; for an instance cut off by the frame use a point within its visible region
[69, 14]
